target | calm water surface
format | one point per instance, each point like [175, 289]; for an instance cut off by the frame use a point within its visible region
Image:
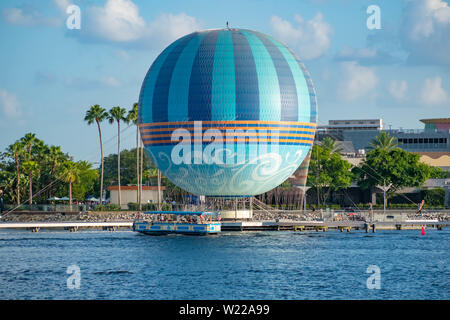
[251, 265]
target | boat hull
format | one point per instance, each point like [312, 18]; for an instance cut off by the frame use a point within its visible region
[165, 228]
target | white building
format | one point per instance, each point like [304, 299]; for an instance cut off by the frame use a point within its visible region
[129, 194]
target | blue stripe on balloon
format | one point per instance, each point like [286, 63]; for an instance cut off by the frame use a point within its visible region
[268, 86]
[312, 93]
[161, 93]
[247, 93]
[288, 90]
[148, 86]
[223, 101]
[199, 104]
[304, 103]
[179, 84]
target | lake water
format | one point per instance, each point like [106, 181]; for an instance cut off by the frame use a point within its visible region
[233, 265]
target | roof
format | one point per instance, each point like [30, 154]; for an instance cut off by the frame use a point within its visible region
[135, 188]
[436, 120]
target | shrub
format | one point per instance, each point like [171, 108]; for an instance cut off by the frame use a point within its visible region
[434, 197]
[107, 207]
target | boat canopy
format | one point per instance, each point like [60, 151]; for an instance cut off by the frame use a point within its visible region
[184, 213]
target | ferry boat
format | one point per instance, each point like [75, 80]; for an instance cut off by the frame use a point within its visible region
[179, 222]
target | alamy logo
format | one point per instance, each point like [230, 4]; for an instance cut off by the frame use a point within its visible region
[74, 19]
[227, 146]
[74, 280]
[374, 20]
[374, 280]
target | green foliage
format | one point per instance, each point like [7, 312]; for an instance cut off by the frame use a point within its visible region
[395, 168]
[434, 197]
[328, 170]
[107, 207]
[384, 142]
[86, 181]
[29, 155]
[331, 145]
[128, 164]
[166, 207]
[145, 206]
[117, 114]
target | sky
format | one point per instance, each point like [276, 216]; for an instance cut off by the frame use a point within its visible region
[50, 74]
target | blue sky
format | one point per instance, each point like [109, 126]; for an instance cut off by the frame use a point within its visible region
[50, 75]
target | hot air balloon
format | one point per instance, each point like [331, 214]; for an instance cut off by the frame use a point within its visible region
[227, 112]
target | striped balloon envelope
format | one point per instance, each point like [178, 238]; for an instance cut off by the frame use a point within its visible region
[227, 112]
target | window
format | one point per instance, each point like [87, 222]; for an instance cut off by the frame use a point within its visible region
[415, 140]
[420, 140]
[410, 140]
[441, 140]
[425, 140]
[436, 140]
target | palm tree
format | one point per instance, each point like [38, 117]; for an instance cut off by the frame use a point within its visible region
[98, 114]
[151, 173]
[117, 114]
[16, 150]
[32, 169]
[133, 117]
[331, 145]
[69, 172]
[28, 141]
[384, 142]
[55, 157]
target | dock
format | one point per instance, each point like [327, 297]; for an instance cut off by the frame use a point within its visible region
[71, 226]
[269, 225]
[325, 225]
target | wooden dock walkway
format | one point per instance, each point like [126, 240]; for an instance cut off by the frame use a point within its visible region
[71, 226]
[243, 225]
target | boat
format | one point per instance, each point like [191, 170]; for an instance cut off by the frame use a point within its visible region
[177, 222]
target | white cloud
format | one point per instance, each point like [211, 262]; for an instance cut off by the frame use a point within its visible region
[398, 89]
[119, 21]
[62, 4]
[432, 92]
[9, 104]
[28, 16]
[310, 39]
[425, 31]
[357, 81]
[168, 27]
[111, 82]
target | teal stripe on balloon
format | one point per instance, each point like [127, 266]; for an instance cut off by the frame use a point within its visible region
[268, 84]
[148, 86]
[179, 84]
[304, 105]
[223, 90]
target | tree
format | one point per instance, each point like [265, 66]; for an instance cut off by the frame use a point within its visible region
[86, 180]
[327, 170]
[393, 168]
[117, 114]
[56, 158]
[70, 173]
[331, 145]
[32, 169]
[133, 117]
[383, 141]
[16, 150]
[28, 141]
[97, 114]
